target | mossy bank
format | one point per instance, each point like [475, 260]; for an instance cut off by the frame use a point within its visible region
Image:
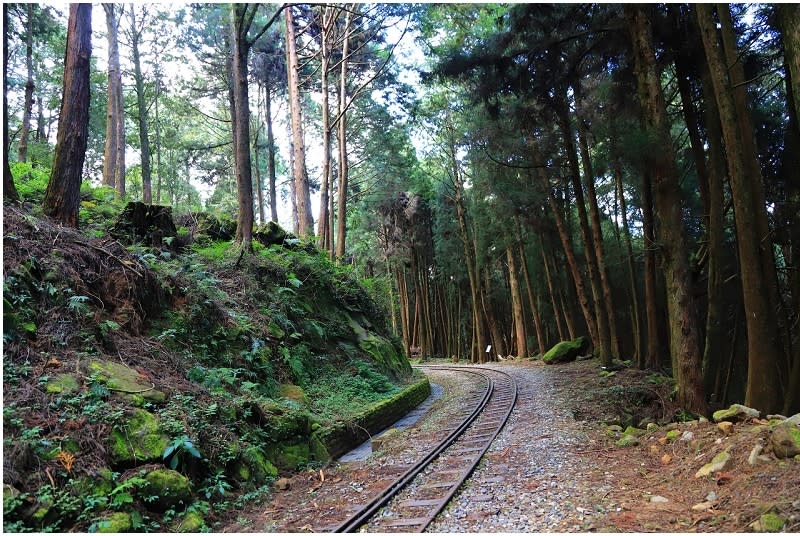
[156, 388]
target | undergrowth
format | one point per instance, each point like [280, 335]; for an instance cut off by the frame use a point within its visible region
[249, 358]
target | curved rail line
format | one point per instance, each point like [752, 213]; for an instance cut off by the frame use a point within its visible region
[414, 499]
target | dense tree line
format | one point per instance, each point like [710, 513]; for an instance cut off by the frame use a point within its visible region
[650, 152]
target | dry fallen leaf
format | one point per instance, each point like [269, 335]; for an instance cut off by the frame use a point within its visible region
[665, 459]
[321, 476]
[663, 440]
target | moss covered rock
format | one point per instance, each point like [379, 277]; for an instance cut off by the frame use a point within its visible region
[290, 456]
[735, 413]
[785, 440]
[63, 384]
[388, 355]
[566, 351]
[114, 523]
[628, 441]
[769, 522]
[170, 488]
[294, 393]
[191, 522]
[255, 465]
[99, 484]
[138, 439]
[717, 464]
[125, 381]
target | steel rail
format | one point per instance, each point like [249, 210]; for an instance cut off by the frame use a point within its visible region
[382, 498]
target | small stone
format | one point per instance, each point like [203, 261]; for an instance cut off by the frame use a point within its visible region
[753, 458]
[652, 426]
[717, 464]
[794, 419]
[712, 496]
[725, 427]
[658, 499]
[702, 420]
[283, 484]
[687, 436]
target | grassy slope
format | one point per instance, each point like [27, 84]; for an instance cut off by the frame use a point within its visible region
[251, 360]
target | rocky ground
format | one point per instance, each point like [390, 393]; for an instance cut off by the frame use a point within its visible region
[556, 468]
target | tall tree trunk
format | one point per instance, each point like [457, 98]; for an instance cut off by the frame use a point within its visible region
[9, 189]
[566, 244]
[764, 390]
[654, 356]
[259, 186]
[114, 114]
[305, 219]
[684, 335]
[344, 169]
[553, 294]
[597, 237]
[635, 315]
[25, 131]
[141, 106]
[63, 195]
[240, 49]
[158, 136]
[497, 341]
[603, 340]
[273, 192]
[788, 19]
[516, 304]
[328, 19]
[716, 332]
[537, 318]
[474, 283]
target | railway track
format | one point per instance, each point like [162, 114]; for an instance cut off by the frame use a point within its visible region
[412, 501]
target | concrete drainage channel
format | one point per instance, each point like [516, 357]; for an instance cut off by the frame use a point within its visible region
[363, 451]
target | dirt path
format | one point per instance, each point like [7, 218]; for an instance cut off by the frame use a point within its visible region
[548, 471]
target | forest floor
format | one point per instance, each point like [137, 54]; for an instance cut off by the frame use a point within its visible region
[556, 466]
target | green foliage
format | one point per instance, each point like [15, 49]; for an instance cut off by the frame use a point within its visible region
[336, 396]
[78, 305]
[179, 451]
[30, 181]
[216, 251]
